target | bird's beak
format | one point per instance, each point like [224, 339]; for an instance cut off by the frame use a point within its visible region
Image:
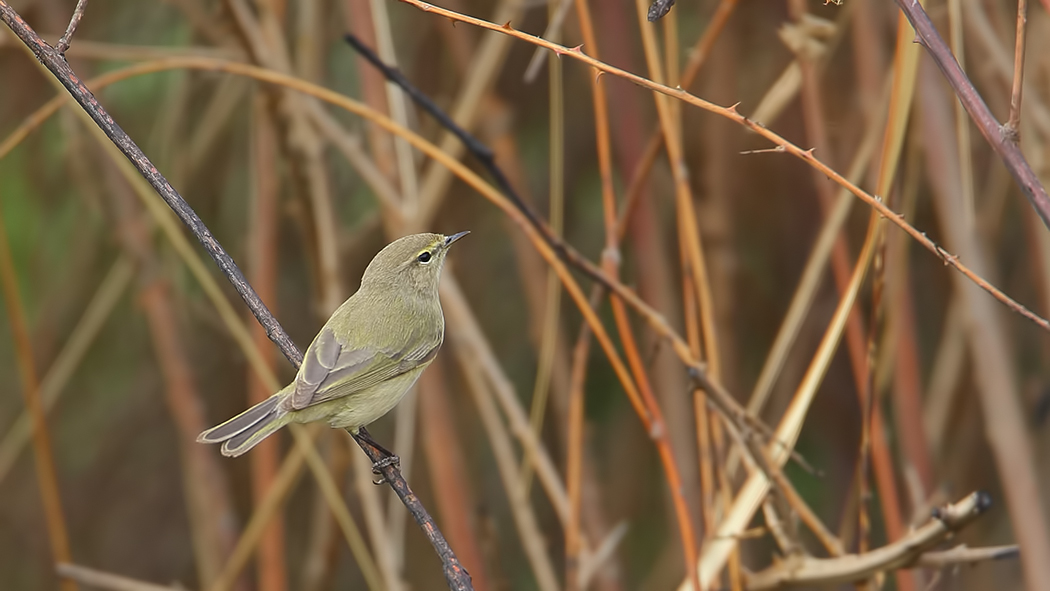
[450, 239]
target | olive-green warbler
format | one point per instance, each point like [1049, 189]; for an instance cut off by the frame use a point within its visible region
[366, 356]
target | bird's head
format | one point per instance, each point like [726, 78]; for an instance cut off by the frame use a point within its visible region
[411, 262]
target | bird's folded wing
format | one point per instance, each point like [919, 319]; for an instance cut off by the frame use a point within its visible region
[331, 370]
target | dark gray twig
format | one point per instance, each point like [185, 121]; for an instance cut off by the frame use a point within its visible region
[659, 9]
[456, 576]
[52, 59]
[67, 37]
[998, 136]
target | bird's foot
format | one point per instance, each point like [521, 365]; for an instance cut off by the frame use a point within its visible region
[377, 467]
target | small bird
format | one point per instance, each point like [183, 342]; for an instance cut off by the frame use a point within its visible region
[366, 356]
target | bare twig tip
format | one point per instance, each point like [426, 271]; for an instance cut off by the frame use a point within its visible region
[659, 9]
[984, 501]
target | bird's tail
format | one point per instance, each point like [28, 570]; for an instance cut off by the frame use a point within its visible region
[247, 429]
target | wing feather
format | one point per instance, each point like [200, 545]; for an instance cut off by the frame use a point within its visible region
[331, 370]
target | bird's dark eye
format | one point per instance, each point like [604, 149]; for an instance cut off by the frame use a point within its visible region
[424, 257]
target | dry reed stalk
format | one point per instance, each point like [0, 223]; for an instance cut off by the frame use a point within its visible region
[697, 58]
[551, 330]
[610, 264]
[901, 337]
[755, 488]
[874, 439]
[591, 515]
[408, 183]
[330, 492]
[59, 374]
[962, 126]
[47, 476]
[276, 495]
[102, 580]
[1003, 417]
[262, 267]
[443, 448]
[489, 56]
[357, 16]
[529, 532]
[816, 134]
[209, 507]
[1013, 122]
[574, 457]
[809, 281]
[266, 44]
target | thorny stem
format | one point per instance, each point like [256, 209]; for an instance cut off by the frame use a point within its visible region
[47, 478]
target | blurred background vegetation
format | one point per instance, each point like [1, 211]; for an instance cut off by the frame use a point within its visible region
[138, 359]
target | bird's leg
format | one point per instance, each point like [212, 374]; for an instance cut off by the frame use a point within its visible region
[389, 457]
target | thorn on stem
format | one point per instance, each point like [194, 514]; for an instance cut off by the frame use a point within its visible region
[656, 430]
